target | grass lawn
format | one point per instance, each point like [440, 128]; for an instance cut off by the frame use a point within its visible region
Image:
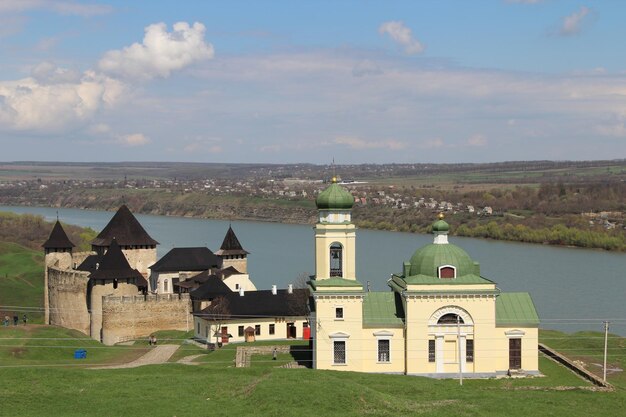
[216, 387]
[21, 282]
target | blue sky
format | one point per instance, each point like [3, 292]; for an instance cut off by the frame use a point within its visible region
[296, 81]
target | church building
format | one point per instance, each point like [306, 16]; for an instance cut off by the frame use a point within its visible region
[439, 319]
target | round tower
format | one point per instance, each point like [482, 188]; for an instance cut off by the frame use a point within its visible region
[58, 252]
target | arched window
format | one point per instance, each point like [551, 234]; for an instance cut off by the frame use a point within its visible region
[165, 289]
[450, 318]
[447, 271]
[336, 260]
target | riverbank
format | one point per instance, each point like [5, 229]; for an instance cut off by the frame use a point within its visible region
[565, 230]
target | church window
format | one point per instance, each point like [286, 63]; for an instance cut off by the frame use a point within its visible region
[236, 286]
[272, 328]
[165, 286]
[336, 260]
[469, 350]
[257, 329]
[447, 271]
[114, 284]
[338, 313]
[431, 350]
[383, 350]
[450, 318]
[240, 331]
[339, 352]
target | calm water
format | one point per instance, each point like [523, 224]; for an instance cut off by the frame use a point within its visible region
[573, 289]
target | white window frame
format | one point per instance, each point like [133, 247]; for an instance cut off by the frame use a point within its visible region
[439, 268]
[343, 313]
[383, 335]
[339, 337]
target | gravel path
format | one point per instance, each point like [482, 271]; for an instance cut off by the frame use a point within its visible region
[159, 354]
[188, 360]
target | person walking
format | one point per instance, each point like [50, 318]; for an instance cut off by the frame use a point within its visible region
[24, 319]
[6, 321]
[16, 319]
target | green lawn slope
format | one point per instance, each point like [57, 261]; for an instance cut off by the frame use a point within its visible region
[21, 282]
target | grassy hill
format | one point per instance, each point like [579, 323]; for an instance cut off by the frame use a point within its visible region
[214, 387]
[21, 282]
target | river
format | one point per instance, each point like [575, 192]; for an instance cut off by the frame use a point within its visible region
[573, 289]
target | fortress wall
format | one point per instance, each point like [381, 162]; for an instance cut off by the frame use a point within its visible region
[240, 265]
[130, 317]
[99, 292]
[79, 257]
[67, 298]
[141, 259]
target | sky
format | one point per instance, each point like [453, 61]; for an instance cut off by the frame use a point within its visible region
[293, 81]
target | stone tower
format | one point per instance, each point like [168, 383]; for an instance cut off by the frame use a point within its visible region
[136, 244]
[113, 276]
[58, 252]
[232, 254]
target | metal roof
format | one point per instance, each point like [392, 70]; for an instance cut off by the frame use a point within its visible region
[382, 309]
[516, 309]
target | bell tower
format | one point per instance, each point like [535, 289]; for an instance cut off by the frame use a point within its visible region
[335, 235]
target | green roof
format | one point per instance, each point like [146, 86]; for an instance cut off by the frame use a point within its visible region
[516, 309]
[382, 309]
[462, 280]
[427, 259]
[334, 197]
[334, 282]
[440, 226]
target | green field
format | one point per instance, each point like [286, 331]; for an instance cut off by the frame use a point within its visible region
[215, 387]
[21, 282]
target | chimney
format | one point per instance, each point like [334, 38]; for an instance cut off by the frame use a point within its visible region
[290, 289]
[241, 292]
[97, 265]
[274, 291]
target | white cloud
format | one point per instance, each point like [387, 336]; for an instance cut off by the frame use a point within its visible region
[477, 140]
[359, 144]
[57, 6]
[49, 73]
[133, 140]
[56, 100]
[401, 35]
[160, 53]
[572, 24]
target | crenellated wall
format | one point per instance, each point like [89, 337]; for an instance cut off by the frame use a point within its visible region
[67, 298]
[131, 317]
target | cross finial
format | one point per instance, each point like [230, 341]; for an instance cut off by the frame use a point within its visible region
[57, 215]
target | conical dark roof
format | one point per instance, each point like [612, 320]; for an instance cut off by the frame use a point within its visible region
[231, 245]
[58, 238]
[212, 287]
[114, 265]
[124, 228]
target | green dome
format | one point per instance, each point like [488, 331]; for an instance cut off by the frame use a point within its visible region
[441, 226]
[426, 260]
[334, 197]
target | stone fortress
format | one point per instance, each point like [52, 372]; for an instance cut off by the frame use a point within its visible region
[118, 291]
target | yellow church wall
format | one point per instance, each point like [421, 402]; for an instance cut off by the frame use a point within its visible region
[329, 328]
[453, 287]
[420, 310]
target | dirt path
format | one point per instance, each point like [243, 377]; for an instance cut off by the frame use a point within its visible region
[159, 354]
[188, 360]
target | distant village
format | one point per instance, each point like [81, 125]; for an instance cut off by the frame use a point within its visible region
[295, 189]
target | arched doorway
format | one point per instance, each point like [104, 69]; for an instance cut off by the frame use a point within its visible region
[451, 340]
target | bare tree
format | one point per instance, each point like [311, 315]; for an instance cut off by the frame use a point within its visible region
[216, 314]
